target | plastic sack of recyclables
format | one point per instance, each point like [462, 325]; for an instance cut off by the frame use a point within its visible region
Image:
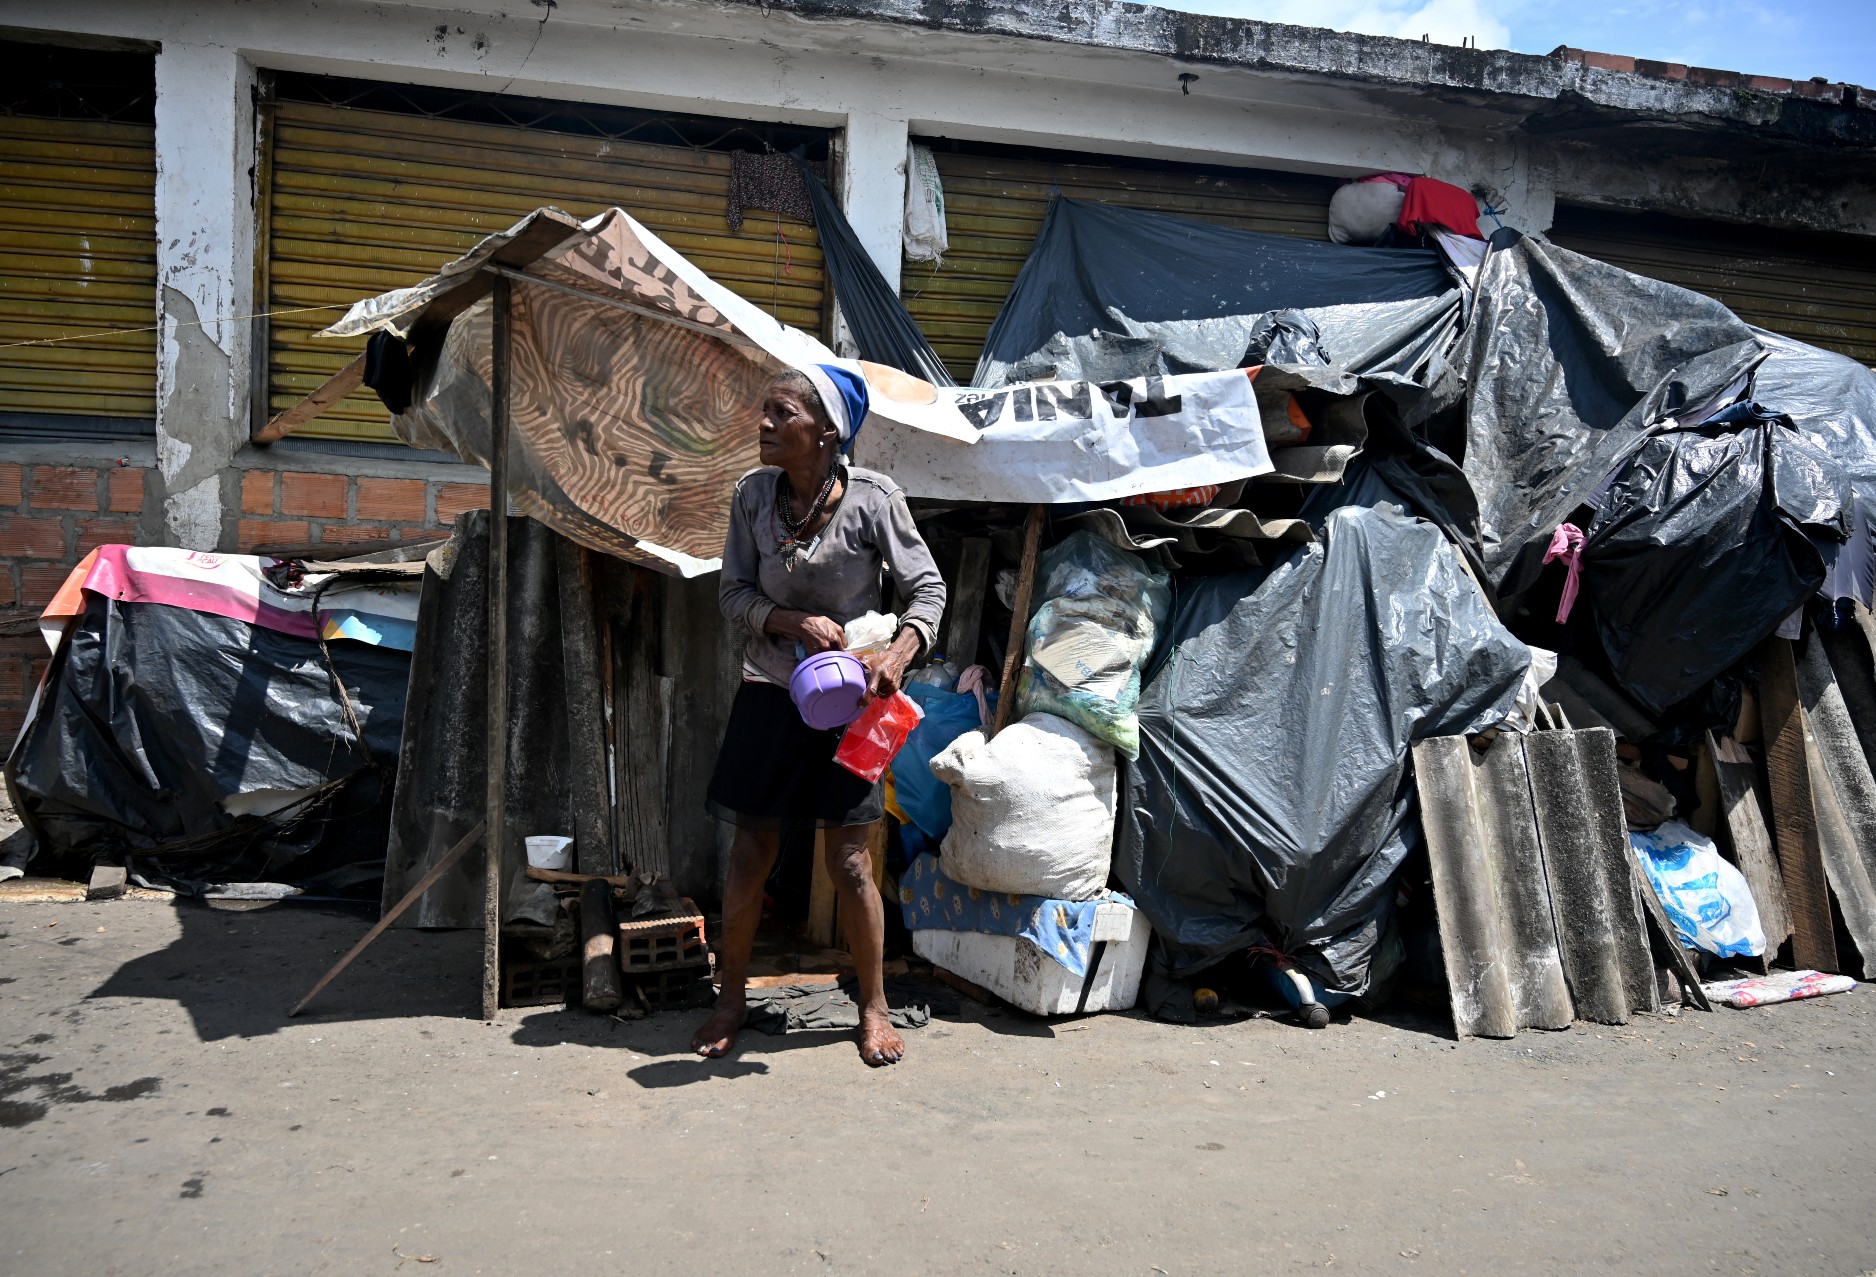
[870, 741]
[1102, 609]
[1032, 811]
[1706, 898]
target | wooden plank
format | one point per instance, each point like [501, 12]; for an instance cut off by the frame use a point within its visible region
[589, 790]
[822, 903]
[443, 865]
[1794, 813]
[1844, 795]
[578, 879]
[1019, 617]
[496, 724]
[1670, 939]
[1743, 831]
[964, 624]
[334, 388]
[645, 712]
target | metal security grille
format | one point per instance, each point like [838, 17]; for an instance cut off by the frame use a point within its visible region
[1816, 288]
[373, 187]
[995, 199]
[77, 241]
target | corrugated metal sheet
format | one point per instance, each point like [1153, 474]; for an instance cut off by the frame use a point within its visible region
[1540, 921]
[994, 205]
[77, 255]
[361, 201]
[1812, 287]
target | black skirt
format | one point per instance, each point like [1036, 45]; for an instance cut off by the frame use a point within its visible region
[776, 772]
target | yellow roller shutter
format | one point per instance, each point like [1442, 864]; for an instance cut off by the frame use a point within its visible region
[360, 201]
[78, 256]
[994, 205]
[1816, 288]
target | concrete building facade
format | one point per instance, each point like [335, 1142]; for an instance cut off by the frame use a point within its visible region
[1605, 148]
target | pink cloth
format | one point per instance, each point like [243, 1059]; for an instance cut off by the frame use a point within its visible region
[1566, 543]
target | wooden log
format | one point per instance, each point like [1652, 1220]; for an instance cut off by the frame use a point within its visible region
[1794, 810]
[602, 986]
[1019, 617]
[965, 619]
[335, 388]
[588, 790]
[578, 879]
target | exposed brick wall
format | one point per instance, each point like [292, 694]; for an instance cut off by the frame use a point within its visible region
[296, 510]
[52, 516]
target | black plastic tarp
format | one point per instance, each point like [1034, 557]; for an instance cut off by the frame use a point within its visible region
[1116, 292]
[1272, 801]
[1708, 538]
[882, 328]
[1832, 399]
[1569, 363]
[158, 720]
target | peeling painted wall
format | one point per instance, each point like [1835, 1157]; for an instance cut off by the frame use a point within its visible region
[205, 272]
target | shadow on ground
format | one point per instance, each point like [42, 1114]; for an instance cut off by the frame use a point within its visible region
[237, 974]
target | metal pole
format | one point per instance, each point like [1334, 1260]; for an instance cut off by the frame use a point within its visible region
[497, 724]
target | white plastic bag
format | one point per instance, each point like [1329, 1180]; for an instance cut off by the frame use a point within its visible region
[1032, 811]
[925, 237]
[1707, 899]
[871, 633]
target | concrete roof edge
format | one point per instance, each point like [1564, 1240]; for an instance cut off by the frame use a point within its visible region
[1610, 84]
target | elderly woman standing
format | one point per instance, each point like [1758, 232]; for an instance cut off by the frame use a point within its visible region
[809, 539]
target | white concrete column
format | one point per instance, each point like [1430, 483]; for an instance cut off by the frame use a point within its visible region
[872, 190]
[205, 161]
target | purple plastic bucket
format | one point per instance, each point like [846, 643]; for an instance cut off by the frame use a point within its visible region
[827, 688]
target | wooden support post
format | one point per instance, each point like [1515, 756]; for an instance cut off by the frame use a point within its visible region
[965, 619]
[602, 987]
[1019, 617]
[497, 722]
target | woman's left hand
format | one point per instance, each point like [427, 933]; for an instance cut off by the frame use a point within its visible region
[885, 671]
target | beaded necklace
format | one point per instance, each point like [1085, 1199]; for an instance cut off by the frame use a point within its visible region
[793, 547]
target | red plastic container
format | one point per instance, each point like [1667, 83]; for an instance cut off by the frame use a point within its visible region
[879, 733]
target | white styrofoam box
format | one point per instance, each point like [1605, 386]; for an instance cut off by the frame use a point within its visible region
[1026, 977]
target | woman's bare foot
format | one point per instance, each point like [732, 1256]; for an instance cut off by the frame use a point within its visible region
[718, 1033]
[880, 1043]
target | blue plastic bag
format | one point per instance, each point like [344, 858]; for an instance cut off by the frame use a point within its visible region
[921, 795]
[1706, 899]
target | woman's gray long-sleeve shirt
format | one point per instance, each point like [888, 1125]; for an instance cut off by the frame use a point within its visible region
[839, 577]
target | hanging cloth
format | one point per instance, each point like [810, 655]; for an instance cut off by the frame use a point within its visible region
[1432, 203]
[770, 181]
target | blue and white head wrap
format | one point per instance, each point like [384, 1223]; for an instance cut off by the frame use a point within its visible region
[844, 395]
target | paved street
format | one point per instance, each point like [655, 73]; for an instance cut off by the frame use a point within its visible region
[159, 1115]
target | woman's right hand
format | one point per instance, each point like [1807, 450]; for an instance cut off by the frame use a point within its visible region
[815, 633]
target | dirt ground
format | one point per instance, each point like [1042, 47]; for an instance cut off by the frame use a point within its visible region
[158, 1114]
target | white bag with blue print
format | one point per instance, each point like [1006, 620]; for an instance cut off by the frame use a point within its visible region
[1707, 899]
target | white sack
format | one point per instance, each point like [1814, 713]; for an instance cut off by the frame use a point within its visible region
[1032, 811]
[925, 237]
[1361, 212]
